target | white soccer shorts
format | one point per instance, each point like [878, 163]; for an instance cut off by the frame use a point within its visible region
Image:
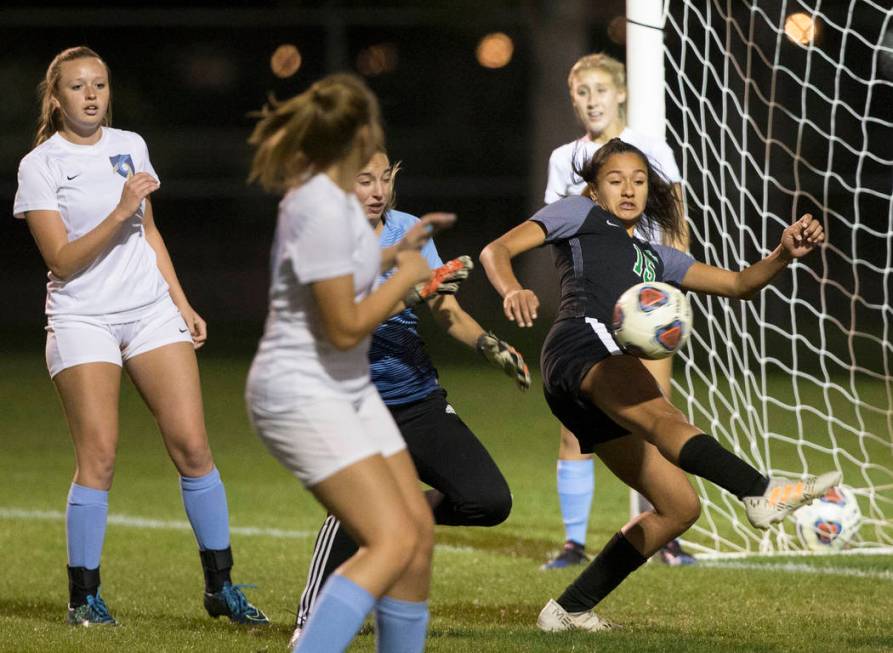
[319, 436]
[75, 340]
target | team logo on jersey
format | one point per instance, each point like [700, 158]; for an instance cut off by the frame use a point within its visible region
[123, 165]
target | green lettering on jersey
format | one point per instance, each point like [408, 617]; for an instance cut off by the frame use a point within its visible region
[645, 264]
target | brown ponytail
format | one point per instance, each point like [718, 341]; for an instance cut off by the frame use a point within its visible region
[50, 121]
[311, 131]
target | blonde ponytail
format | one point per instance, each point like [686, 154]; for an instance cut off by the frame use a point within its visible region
[311, 131]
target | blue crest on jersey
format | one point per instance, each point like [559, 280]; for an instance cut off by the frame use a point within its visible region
[123, 165]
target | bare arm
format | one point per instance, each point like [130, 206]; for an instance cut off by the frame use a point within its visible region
[519, 304]
[197, 326]
[345, 321]
[453, 319]
[797, 240]
[65, 258]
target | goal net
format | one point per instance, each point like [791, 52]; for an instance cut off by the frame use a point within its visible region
[771, 116]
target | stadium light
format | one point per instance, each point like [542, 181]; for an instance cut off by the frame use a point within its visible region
[285, 61]
[377, 59]
[801, 28]
[495, 50]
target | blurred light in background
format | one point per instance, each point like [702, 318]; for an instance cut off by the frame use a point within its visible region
[801, 28]
[617, 30]
[495, 50]
[286, 61]
[377, 59]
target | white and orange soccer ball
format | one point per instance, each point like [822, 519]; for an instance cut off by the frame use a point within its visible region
[652, 320]
[830, 522]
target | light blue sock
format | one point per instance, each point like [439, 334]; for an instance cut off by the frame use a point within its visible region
[205, 501]
[576, 482]
[401, 626]
[340, 610]
[85, 518]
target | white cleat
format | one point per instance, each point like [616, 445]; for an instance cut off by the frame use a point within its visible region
[295, 636]
[784, 496]
[554, 619]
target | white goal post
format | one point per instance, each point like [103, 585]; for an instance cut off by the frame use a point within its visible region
[768, 123]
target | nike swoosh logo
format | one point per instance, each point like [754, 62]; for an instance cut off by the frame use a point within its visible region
[183, 330]
[612, 224]
[73, 176]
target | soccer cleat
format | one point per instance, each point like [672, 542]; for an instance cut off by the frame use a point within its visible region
[572, 554]
[555, 619]
[231, 602]
[295, 636]
[93, 613]
[674, 555]
[784, 496]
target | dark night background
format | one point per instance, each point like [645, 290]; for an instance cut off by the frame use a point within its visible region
[185, 75]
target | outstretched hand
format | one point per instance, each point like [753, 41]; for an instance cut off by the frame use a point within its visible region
[801, 238]
[505, 357]
[444, 281]
[427, 226]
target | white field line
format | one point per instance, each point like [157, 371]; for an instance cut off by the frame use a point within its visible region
[251, 531]
[156, 524]
[800, 568]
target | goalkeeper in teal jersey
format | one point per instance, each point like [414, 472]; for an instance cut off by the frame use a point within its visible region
[467, 487]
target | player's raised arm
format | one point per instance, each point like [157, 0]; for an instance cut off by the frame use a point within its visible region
[519, 304]
[797, 241]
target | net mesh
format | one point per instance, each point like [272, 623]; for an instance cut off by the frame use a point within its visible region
[767, 128]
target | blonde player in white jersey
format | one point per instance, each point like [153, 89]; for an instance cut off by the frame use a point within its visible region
[113, 300]
[309, 391]
[597, 84]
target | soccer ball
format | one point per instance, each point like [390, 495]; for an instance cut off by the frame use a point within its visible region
[652, 320]
[830, 522]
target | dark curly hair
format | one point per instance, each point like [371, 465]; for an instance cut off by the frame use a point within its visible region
[661, 208]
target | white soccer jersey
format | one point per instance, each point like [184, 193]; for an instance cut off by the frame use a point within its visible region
[563, 182]
[321, 233]
[83, 183]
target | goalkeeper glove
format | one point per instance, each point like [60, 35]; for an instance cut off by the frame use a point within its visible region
[444, 281]
[505, 357]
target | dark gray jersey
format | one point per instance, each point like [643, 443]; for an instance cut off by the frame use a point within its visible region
[597, 260]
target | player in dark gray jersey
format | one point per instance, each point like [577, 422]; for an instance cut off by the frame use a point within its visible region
[608, 399]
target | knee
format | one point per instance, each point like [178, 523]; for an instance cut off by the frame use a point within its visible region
[400, 543]
[687, 512]
[496, 506]
[96, 468]
[420, 562]
[192, 456]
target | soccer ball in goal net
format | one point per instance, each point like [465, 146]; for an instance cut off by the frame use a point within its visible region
[776, 108]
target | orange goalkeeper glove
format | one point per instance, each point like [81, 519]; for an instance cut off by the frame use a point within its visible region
[444, 281]
[505, 357]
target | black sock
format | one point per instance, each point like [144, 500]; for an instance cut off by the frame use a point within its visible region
[705, 457]
[616, 561]
[82, 582]
[216, 565]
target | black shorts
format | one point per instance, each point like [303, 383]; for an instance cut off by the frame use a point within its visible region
[571, 348]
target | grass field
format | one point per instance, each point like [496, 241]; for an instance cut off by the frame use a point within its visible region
[487, 586]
